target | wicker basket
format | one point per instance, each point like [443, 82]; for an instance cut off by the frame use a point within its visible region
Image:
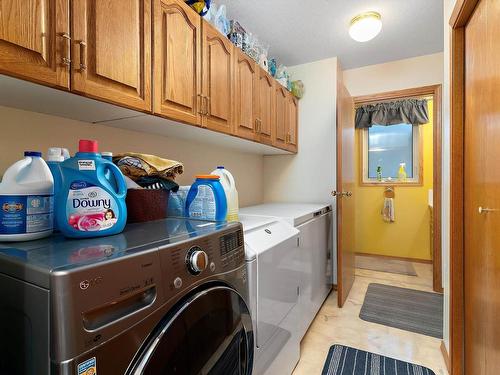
[146, 205]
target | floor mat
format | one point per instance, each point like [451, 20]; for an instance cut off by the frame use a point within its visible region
[385, 265]
[408, 309]
[343, 360]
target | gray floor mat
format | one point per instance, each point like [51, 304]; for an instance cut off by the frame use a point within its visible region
[408, 309]
[385, 265]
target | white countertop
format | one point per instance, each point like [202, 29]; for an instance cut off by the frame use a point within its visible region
[294, 213]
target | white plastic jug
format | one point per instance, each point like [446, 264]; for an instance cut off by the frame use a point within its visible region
[229, 185]
[27, 200]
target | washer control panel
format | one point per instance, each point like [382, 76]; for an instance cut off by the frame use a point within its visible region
[231, 249]
[196, 260]
[201, 258]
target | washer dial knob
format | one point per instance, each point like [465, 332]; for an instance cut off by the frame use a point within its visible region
[197, 260]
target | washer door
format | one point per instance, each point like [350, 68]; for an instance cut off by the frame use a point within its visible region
[209, 333]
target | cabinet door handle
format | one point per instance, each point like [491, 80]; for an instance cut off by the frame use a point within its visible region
[201, 103]
[484, 210]
[83, 55]
[66, 60]
[207, 105]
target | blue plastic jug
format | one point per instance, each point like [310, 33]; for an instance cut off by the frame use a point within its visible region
[55, 156]
[88, 204]
[206, 199]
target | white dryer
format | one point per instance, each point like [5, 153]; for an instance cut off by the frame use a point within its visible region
[272, 259]
[316, 256]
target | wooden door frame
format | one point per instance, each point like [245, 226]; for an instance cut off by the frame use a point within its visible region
[435, 91]
[459, 18]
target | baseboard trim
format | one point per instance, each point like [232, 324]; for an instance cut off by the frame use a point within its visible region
[446, 357]
[426, 261]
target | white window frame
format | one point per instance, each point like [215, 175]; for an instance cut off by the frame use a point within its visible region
[417, 162]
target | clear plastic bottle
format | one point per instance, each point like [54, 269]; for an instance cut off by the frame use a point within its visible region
[379, 173]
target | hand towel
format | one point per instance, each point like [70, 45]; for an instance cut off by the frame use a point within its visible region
[388, 210]
[136, 166]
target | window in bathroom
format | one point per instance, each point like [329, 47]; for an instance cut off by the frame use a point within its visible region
[384, 148]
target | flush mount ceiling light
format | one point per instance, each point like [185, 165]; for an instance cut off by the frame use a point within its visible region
[365, 26]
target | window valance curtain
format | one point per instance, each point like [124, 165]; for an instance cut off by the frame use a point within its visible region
[408, 111]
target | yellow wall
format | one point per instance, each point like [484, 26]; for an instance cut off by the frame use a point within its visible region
[409, 235]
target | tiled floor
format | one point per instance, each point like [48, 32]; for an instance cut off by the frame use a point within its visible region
[343, 326]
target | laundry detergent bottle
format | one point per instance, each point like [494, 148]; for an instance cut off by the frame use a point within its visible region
[55, 156]
[206, 199]
[88, 204]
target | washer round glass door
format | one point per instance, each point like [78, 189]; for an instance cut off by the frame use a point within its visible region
[209, 333]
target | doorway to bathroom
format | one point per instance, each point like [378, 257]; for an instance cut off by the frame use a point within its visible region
[397, 195]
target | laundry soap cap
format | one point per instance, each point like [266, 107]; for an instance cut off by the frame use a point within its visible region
[207, 176]
[55, 154]
[37, 154]
[86, 145]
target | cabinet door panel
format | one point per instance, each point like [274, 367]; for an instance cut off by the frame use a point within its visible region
[281, 117]
[217, 79]
[177, 64]
[110, 47]
[292, 123]
[32, 45]
[266, 108]
[111, 51]
[245, 96]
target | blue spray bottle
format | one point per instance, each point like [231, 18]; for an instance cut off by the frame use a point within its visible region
[88, 204]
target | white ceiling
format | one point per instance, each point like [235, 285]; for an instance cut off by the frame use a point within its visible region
[300, 31]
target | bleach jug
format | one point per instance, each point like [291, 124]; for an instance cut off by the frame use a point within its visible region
[89, 205]
[229, 185]
[206, 199]
[26, 200]
[55, 156]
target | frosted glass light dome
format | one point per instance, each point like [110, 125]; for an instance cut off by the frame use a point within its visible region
[365, 26]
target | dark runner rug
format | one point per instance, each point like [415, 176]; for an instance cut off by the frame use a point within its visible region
[343, 360]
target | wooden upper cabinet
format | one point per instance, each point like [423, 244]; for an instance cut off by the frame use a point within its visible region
[293, 123]
[265, 108]
[177, 61]
[111, 51]
[218, 89]
[245, 79]
[281, 115]
[34, 40]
